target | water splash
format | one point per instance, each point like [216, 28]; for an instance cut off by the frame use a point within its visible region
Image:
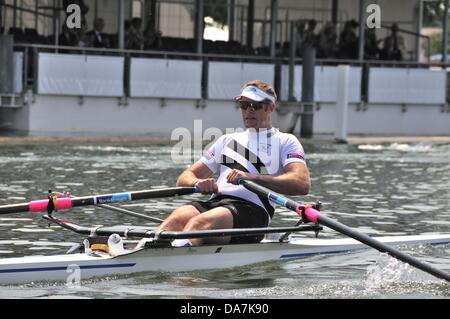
[387, 271]
[421, 148]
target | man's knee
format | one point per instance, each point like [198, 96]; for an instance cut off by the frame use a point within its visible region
[198, 223]
[186, 212]
[179, 218]
[212, 219]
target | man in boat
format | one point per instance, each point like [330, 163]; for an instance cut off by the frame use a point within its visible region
[261, 154]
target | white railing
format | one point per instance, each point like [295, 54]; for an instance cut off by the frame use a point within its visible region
[171, 75]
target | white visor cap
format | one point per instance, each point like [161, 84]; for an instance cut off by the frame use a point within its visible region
[255, 94]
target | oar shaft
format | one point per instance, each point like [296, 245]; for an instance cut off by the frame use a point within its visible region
[369, 241]
[274, 197]
[67, 203]
[315, 216]
[123, 211]
[14, 208]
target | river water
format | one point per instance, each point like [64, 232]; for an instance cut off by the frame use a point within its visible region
[378, 189]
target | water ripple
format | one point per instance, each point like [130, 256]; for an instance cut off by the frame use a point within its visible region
[385, 189]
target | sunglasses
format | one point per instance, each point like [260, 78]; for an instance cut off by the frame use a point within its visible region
[255, 106]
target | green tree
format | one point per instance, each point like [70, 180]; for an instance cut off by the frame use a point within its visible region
[436, 44]
[433, 12]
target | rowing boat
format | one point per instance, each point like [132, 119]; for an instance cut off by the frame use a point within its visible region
[144, 256]
[141, 249]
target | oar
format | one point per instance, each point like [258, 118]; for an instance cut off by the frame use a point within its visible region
[123, 211]
[315, 216]
[67, 203]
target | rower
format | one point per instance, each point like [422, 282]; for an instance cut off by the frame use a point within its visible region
[261, 154]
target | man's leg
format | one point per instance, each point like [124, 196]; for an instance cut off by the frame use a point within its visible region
[178, 219]
[216, 218]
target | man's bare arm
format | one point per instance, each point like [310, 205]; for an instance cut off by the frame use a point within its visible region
[193, 174]
[198, 174]
[294, 181]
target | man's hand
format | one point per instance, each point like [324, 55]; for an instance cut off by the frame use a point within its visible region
[207, 186]
[236, 175]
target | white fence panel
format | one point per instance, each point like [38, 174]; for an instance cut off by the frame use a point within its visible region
[284, 89]
[81, 75]
[325, 83]
[326, 78]
[165, 78]
[225, 79]
[407, 86]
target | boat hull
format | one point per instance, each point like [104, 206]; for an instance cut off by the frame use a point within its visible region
[73, 268]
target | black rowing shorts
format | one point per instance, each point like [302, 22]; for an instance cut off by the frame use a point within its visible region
[245, 215]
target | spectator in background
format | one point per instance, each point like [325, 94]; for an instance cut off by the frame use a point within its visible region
[83, 38]
[134, 39]
[326, 43]
[127, 25]
[68, 37]
[394, 46]
[348, 41]
[113, 40]
[371, 50]
[152, 37]
[300, 36]
[310, 39]
[97, 39]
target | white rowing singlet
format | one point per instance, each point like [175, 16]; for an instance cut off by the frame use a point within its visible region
[264, 152]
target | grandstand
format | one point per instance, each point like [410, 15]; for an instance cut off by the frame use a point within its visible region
[144, 66]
